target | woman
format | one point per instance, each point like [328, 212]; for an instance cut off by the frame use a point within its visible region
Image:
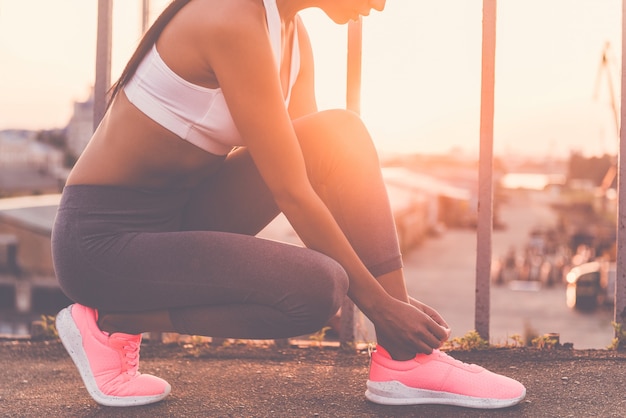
[212, 130]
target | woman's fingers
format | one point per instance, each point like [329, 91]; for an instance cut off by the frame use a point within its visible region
[441, 322]
[414, 327]
[430, 333]
[432, 313]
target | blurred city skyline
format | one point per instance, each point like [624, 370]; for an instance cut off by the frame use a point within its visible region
[421, 70]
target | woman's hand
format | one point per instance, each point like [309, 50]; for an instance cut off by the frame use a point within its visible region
[432, 313]
[405, 329]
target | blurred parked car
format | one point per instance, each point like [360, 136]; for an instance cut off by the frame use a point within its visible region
[590, 285]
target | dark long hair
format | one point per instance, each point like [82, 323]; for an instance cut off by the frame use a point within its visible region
[146, 43]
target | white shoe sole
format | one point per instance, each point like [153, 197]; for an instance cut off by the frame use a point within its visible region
[73, 343]
[396, 393]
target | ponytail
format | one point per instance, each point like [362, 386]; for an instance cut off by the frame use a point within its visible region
[146, 43]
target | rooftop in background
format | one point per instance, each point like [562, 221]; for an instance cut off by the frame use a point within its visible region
[35, 213]
[531, 181]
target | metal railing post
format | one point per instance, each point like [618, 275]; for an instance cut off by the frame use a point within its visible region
[103, 59]
[347, 331]
[485, 171]
[355, 47]
[620, 279]
[145, 15]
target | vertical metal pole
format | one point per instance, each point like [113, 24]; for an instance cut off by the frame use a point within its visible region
[103, 59]
[485, 171]
[347, 332]
[145, 15]
[355, 48]
[620, 284]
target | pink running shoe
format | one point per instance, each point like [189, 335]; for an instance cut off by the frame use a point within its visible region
[438, 379]
[107, 363]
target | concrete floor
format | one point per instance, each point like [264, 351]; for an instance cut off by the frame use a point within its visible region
[441, 273]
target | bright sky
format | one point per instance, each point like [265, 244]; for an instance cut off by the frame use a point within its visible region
[421, 69]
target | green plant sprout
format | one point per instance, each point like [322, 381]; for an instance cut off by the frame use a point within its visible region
[619, 341]
[470, 341]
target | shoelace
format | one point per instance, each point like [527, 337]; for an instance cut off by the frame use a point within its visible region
[130, 355]
[448, 358]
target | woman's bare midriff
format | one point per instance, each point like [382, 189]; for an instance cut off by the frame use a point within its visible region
[130, 149]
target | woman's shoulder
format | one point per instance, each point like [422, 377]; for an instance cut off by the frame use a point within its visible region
[204, 25]
[209, 16]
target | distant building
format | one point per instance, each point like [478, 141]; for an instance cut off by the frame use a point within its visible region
[80, 127]
[26, 165]
[446, 205]
[15, 147]
[20, 149]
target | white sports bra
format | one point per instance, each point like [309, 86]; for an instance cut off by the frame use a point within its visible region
[198, 114]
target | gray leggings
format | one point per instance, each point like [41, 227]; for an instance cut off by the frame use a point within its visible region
[194, 252]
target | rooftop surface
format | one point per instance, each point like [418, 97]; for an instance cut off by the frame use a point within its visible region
[243, 380]
[31, 212]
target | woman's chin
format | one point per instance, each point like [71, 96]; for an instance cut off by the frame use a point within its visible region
[342, 20]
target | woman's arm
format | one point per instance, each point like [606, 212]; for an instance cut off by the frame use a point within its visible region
[239, 52]
[244, 64]
[303, 100]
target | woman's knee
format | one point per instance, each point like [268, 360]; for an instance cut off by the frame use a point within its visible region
[336, 134]
[336, 285]
[324, 291]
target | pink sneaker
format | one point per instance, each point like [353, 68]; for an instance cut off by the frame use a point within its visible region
[438, 379]
[108, 364]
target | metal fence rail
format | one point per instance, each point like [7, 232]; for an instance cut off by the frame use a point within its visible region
[485, 172]
[620, 285]
[103, 59]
